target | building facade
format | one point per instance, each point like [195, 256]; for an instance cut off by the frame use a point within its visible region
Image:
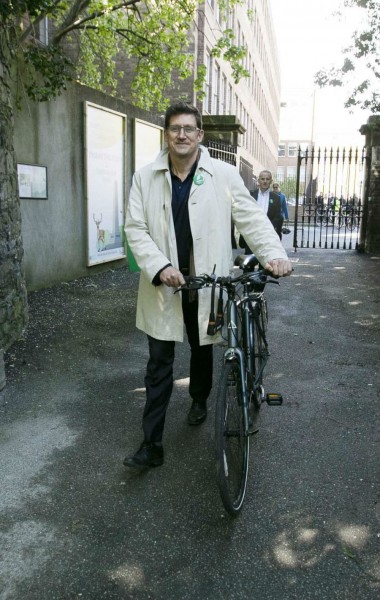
[253, 101]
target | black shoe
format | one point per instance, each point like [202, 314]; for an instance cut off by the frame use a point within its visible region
[148, 455]
[197, 413]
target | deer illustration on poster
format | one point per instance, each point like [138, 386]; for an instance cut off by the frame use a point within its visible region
[101, 233]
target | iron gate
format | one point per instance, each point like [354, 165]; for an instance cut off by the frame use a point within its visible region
[328, 198]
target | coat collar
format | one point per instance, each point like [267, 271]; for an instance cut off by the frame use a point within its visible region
[205, 162]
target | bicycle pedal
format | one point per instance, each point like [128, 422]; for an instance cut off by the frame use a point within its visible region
[274, 399]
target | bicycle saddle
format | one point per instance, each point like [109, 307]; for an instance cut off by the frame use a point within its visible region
[246, 262]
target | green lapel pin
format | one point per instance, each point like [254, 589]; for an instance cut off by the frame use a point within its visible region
[198, 179]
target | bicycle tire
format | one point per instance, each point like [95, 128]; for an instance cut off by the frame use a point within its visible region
[232, 445]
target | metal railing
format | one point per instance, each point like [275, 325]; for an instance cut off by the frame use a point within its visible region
[222, 151]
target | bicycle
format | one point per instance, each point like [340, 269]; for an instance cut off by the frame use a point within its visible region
[347, 218]
[240, 390]
[327, 216]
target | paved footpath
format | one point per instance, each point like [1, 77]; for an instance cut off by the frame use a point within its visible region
[76, 525]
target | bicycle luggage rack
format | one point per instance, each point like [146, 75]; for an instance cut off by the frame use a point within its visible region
[274, 399]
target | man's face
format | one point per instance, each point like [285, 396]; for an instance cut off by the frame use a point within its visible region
[264, 181]
[182, 144]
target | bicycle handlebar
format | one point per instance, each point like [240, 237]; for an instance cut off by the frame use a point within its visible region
[197, 282]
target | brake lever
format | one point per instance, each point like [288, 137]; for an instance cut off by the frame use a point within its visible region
[193, 283]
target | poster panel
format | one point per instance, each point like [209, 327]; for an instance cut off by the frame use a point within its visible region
[148, 143]
[32, 181]
[105, 132]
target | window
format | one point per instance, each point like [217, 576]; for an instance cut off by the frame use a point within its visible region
[292, 149]
[280, 175]
[281, 150]
[229, 100]
[231, 19]
[43, 31]
[223, 96]
[207, 99]
[244, 121]
[217, 12]
[215, 90]
[291, 172]
[244, 59]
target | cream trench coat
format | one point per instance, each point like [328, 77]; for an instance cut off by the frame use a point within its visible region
[149, 227]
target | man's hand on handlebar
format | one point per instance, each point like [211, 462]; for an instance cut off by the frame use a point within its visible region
[279, 267]
[172, 277]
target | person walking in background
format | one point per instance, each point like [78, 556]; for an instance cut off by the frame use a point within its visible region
[179, 223]
[284, 205]
[270, 204]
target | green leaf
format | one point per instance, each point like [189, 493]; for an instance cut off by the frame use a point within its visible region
[91, 40]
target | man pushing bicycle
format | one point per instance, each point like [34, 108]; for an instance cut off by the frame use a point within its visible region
[179, 223]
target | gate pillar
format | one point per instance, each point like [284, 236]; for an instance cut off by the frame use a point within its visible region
[370, 227]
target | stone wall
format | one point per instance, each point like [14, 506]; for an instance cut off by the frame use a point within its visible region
[370, 229]
[13, 302]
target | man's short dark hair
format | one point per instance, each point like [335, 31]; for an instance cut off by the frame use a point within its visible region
[181, 108]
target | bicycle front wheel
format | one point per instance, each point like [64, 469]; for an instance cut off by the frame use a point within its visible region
[259, 324]
[232, 444]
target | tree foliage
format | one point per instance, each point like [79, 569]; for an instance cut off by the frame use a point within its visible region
[86, 36]
[361, 61]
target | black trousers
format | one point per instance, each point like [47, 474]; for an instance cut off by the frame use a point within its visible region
[159, 373]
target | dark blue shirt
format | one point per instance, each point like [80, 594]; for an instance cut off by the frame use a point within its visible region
[180, 210]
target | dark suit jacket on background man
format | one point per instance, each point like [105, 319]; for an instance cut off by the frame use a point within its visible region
[274, 215]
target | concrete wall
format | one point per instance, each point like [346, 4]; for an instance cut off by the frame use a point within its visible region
[54, 230]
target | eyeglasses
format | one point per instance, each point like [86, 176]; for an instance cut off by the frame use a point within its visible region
[187, 129]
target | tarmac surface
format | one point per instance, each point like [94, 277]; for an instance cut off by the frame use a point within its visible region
[76, 525]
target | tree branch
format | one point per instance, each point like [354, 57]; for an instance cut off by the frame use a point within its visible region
[133, 34]
[68, 26]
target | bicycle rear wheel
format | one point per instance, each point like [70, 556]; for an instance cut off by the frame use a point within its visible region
[232, 445]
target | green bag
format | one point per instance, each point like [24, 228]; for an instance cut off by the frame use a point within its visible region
[133, 266]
